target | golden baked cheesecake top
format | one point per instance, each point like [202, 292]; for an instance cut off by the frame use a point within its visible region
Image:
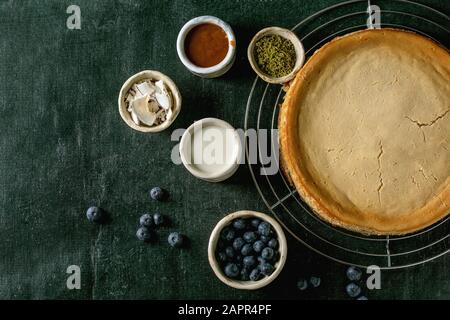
[365, 132]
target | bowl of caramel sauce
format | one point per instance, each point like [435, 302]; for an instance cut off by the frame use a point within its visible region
[206, 46]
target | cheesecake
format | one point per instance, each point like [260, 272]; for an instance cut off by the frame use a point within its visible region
[364, 132]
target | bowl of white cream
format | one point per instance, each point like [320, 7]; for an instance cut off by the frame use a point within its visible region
[211, 150]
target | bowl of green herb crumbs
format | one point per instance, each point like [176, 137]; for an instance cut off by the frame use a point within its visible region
[276, 55]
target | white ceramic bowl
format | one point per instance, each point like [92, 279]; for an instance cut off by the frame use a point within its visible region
[227, 170]
[151, 75]
[285, 33]
[247, 285]
[214, 71]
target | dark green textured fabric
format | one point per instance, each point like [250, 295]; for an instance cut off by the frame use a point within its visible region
[63, 147]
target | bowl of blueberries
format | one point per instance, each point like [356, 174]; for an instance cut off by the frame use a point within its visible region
[247, 250]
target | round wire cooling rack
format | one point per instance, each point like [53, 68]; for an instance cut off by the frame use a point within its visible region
[277, 193]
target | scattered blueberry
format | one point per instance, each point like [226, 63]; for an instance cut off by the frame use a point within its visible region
[354, 274]
[255, 223]
[238, 243]
[353, 290]
[231, 270]
[95, 214]
[222, 257]
[228, 234]
[273, 243]
[157, 194]
[255, 275]
[266, 269]
[144, 234]
[264, 229]
[247, 249]
[250, 237]
[258, 246]
[302, 284]
[249, 261]
[315, 281]
[362, 298]
[267, 253]
[146, 220]
[158, 219]
[239, 224]
[229, 251]
[176, 240]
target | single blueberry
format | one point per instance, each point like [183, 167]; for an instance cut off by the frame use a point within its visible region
[158, 219]
[353, 290]
[239, 224]
[264, 239]
[264, 229]
[249, 261]
[247, 249]
[362, 298]
[255, 223]
[176, 240]
[354, 274]
[220, 244]
[231, 270]
[267, 253]
[95, 214]
[146, 220]
[258, 246]
[273, 243]
[228, 234]
[261, 260]
[229, 251]
[238, 243]
[255, 275]
[157, 194]
[276, 256]
[144, 234]
[266, 269]
[302, 284]
[222, 257]
[245, 274]
[250, 237]
[315, 281]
